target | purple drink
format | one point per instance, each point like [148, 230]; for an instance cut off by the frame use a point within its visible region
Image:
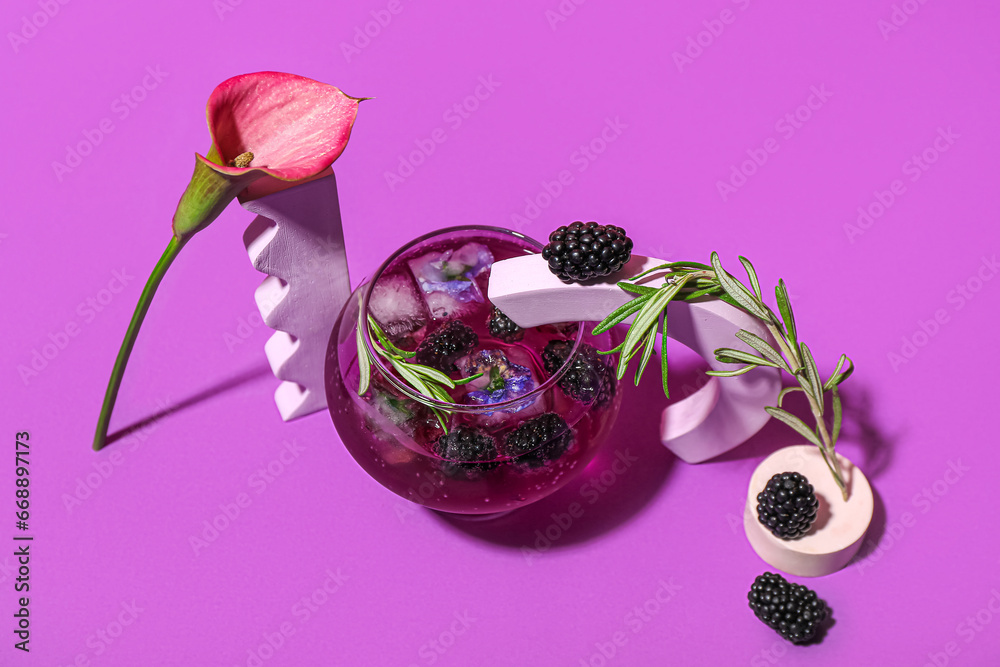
[533, 418]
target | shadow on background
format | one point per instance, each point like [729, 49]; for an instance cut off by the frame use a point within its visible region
[861, 427]
[858, 426]
[218, 389]
[608, 500]
[875, 530]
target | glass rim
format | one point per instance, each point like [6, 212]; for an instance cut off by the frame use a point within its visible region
[381, 367]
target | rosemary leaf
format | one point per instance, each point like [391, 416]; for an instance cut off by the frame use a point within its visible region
[468, 379]
[812, 375]
[736, 290]
[622, 312]
[691, 296]
[439, 393]
[627, 356]
[432, 374]
[646, 318]
[837, 376]
[725, 298]
[785, 392]
[384, 340]
[838, 414]
[663, 352]
[785, 308]
[647, 352]
[441, 419]
[728, 355]
[795, 423]
[364, 362]
[673, 265]
[731, 374]
[762, 346]
[637, 289]
[414, 380]
[752, 275]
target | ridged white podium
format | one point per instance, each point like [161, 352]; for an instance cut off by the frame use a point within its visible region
[298, 241]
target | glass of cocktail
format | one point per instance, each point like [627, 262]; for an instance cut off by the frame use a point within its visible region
[539, 404]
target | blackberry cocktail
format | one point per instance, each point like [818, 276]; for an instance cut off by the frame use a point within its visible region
[539, 405]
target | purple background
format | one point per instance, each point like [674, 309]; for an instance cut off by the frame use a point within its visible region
[888, 92]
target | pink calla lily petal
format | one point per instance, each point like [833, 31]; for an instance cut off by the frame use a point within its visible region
[295, 127]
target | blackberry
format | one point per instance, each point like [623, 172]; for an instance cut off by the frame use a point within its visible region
[787, 505]
[444, 345]
[504, 328]
[466, 451]
[589, 378]
[582, 251]
[539, 441]
[792, 610]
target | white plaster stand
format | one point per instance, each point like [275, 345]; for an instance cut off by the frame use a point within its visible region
[724, 413]
[298, 241]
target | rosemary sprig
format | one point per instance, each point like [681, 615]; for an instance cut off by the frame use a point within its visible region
[426, 381]
[688, 281]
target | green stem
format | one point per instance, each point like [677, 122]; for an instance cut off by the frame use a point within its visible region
[173, 249]
[832, 461]
[786, 349]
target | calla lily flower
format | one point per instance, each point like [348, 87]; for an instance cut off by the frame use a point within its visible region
[266, 125]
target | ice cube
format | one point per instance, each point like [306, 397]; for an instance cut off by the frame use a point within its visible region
[396, 305]
[501, 381]
[526, 410]
[444, 306]
[447, 279]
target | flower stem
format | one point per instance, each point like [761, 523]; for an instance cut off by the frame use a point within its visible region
[173, 249]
